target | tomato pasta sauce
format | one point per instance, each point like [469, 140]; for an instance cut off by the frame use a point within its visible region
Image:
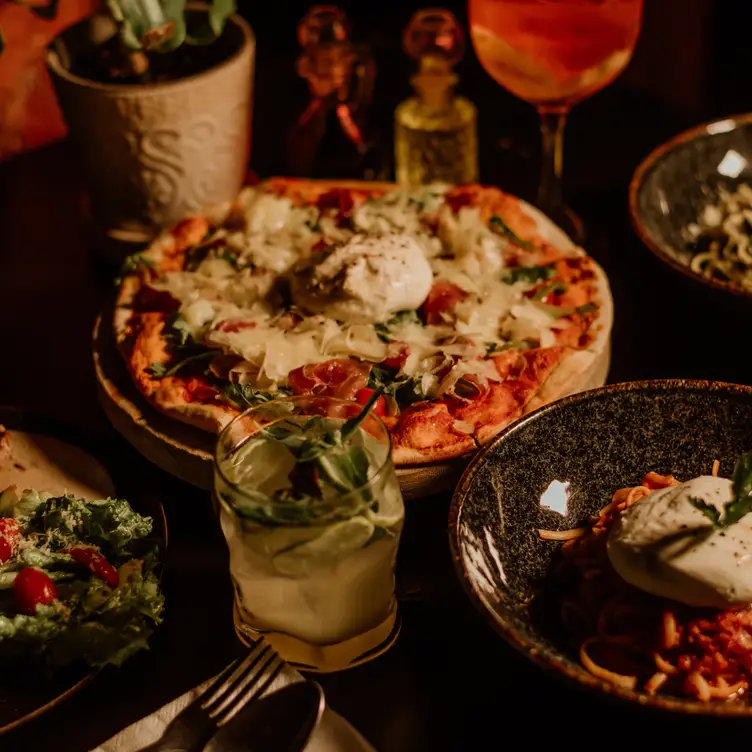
[639, 641]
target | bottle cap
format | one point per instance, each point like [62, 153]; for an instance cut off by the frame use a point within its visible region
[434, 33]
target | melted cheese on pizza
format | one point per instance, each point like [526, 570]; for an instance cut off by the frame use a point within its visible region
[235, 290]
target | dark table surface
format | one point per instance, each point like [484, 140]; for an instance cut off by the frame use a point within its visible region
[449, 683]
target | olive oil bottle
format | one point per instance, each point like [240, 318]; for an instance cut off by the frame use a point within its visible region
[435, 131]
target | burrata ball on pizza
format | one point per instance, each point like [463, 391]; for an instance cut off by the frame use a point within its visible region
[365, 280]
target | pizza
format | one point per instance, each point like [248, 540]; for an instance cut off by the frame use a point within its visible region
[452, 300]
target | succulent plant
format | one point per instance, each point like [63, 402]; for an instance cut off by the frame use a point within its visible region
[160, 26]
[151, 25]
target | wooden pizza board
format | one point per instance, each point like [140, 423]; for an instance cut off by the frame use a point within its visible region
[186, 452]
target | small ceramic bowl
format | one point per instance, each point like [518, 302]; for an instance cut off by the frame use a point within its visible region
[678, 179]
[585, 447]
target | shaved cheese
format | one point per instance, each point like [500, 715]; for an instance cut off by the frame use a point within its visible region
[483, 370]
[197, 314]
[530, 321]
[215, 268]
[272, 240]
[464, 426]
[275, 352]
[477, 250]
[267, 213]
[482, 316]
[400, 211]
[428, 384]
[360, 340]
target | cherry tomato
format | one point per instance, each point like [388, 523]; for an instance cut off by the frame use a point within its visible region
[378, 407]
[97, 564]
[32, 588]
[10, 533]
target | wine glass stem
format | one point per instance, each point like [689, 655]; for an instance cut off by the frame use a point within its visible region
[550, 191]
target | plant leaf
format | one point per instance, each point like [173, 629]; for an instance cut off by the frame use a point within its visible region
[219, 12]
[530, 274]
[351, 424]
[244, 395]
[707, 509]
[347, 471]
[498, 225]
[159, 371]
[559, 312]
[742, 487]
[555, 286]
[157, 25]
[133, 264]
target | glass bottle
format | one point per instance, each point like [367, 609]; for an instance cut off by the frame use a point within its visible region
[435, 131]
[332, 136]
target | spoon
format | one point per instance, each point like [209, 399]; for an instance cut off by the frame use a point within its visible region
[282, 721]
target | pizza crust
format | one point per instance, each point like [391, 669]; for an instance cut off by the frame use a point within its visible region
[428, 437]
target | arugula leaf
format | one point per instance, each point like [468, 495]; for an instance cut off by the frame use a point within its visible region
[385, 379]
[498, 225]
[198, 254]
[244, 395]
[402, 318]
[559, 312]
[742, 487]
[134, 264]
[231, 258]
[346, 472]
[707, 509]
[556, 286]
[351, 424]
[741, 503]
[530, 274]
[494, 348]
[180, 330]
[410, 391]
[159, 370]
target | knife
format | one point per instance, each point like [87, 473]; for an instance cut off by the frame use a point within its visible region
[282, 721]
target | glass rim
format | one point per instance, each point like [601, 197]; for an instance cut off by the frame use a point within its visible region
[294, 399]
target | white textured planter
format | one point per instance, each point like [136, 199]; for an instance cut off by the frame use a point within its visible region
[153, 153]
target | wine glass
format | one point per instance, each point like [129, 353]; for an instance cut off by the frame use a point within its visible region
[553, 54]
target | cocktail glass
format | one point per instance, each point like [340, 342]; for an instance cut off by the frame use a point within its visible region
[312, 542]
[553, 54]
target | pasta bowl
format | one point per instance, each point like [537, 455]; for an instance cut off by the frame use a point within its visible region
[672, 188]
[554, 470]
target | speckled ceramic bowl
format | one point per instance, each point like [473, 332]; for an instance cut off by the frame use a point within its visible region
[676, 180]
[586, 446]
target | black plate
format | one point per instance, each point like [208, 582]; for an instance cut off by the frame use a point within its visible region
[597, 442]
[25, 694]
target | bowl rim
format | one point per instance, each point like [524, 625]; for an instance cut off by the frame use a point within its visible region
[552, 660]
[637, 181]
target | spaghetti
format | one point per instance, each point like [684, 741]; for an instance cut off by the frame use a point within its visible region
[639, 641]
[721, 239]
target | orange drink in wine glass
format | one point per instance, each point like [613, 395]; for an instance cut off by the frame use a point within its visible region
[553, 54]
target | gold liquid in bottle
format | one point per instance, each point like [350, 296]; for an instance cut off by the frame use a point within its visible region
[435, 131]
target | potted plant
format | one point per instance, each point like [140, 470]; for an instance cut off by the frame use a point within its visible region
[157, 97]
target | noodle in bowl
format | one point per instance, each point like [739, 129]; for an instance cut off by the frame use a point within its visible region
[528, 529]
[690, 201]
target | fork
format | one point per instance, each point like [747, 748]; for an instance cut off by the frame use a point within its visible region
[240, 683]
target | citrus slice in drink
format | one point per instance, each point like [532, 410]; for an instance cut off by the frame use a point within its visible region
[338, 541]
[504, 62]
